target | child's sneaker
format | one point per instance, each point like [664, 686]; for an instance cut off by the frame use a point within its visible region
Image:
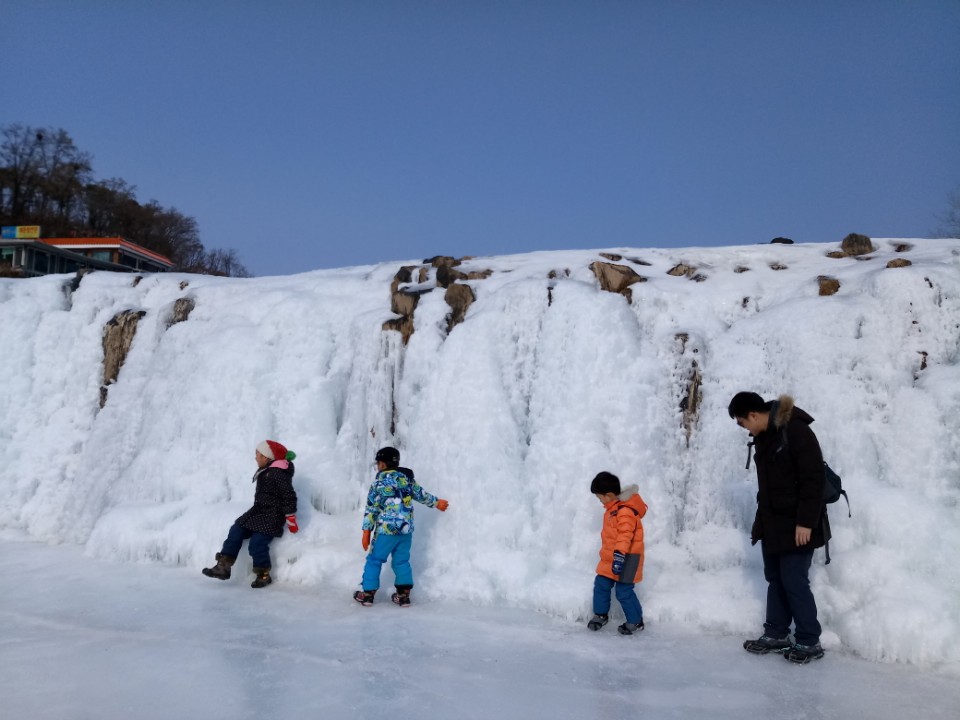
[598, 621]
[765, 644]
[802, 654]
[630, 628]
[401, 598]
[364, 597]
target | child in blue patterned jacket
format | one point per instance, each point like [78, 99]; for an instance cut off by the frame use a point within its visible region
[388, 518]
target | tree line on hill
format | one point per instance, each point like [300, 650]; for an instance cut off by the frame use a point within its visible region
[46, 180]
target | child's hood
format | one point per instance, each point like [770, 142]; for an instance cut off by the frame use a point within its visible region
[630, 496]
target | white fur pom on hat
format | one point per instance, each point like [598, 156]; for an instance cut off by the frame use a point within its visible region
[273, 450]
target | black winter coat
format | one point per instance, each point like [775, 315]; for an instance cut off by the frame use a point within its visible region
[273, 500]
[790, 481]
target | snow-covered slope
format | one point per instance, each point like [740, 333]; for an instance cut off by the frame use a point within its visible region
[548, 380]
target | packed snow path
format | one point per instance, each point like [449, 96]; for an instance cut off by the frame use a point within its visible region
[86, 639]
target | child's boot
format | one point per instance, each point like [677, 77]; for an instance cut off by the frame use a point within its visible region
[598, 621]
[262, 579]
[221, 570]
[364, 597]
[402, 596]
[630, 628]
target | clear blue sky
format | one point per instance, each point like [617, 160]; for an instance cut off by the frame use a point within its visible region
[326, 134]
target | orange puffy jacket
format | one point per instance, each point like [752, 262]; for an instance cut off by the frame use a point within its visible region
[623, 531]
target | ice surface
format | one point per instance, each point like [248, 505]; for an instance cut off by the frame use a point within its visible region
[547, 381]
[90, 640]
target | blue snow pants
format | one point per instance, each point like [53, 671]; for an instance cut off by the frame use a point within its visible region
[395, 547]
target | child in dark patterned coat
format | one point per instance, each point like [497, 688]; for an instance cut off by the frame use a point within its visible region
[274, 506]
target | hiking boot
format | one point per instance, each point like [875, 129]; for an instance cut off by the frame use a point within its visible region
[262, 579]
[220, 571]
[401, 598]
[765, 644]
[364, 597]
[598, 621]
[630, 628]
[802, 654]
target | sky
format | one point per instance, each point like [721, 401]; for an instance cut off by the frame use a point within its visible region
[311, 135]
[547, 381]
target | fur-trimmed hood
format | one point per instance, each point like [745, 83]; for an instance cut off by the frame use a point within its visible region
[783, 410]
[630, 496]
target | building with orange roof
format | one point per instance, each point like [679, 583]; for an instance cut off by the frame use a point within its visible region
[31, 257]
[115, 250]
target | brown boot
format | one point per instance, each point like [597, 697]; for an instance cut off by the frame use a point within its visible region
[221, 570]
[263, 577]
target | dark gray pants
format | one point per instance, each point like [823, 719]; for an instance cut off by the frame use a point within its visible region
[789, 598]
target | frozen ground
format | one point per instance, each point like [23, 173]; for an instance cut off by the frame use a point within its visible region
[88, 639]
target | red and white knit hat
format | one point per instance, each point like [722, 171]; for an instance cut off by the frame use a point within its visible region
[272, 450]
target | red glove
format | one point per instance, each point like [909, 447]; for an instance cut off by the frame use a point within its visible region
[442, 505]
[365, 541]
[292, 523]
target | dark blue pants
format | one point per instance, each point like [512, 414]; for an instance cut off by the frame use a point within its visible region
[259, 545]
[789, 597]
[625, 595]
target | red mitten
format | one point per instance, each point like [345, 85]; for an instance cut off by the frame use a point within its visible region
[292, 523]
[365, 541]
[442, 505]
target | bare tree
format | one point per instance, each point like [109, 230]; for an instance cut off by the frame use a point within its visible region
[224, 262]
[46, 180]
[20, 155]
[170, 233]
[65, 171]
[111, 207]
[951, 218]
[43, 175]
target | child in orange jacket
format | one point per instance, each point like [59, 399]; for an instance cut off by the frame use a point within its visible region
[621, 553]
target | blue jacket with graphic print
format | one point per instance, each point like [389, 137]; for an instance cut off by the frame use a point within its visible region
[390, 503]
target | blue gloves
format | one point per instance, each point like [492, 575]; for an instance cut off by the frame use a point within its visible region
[618, 560]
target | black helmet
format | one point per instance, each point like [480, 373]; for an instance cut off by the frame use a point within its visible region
[389, 456]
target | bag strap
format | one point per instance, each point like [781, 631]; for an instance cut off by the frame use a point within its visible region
[844, 493]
